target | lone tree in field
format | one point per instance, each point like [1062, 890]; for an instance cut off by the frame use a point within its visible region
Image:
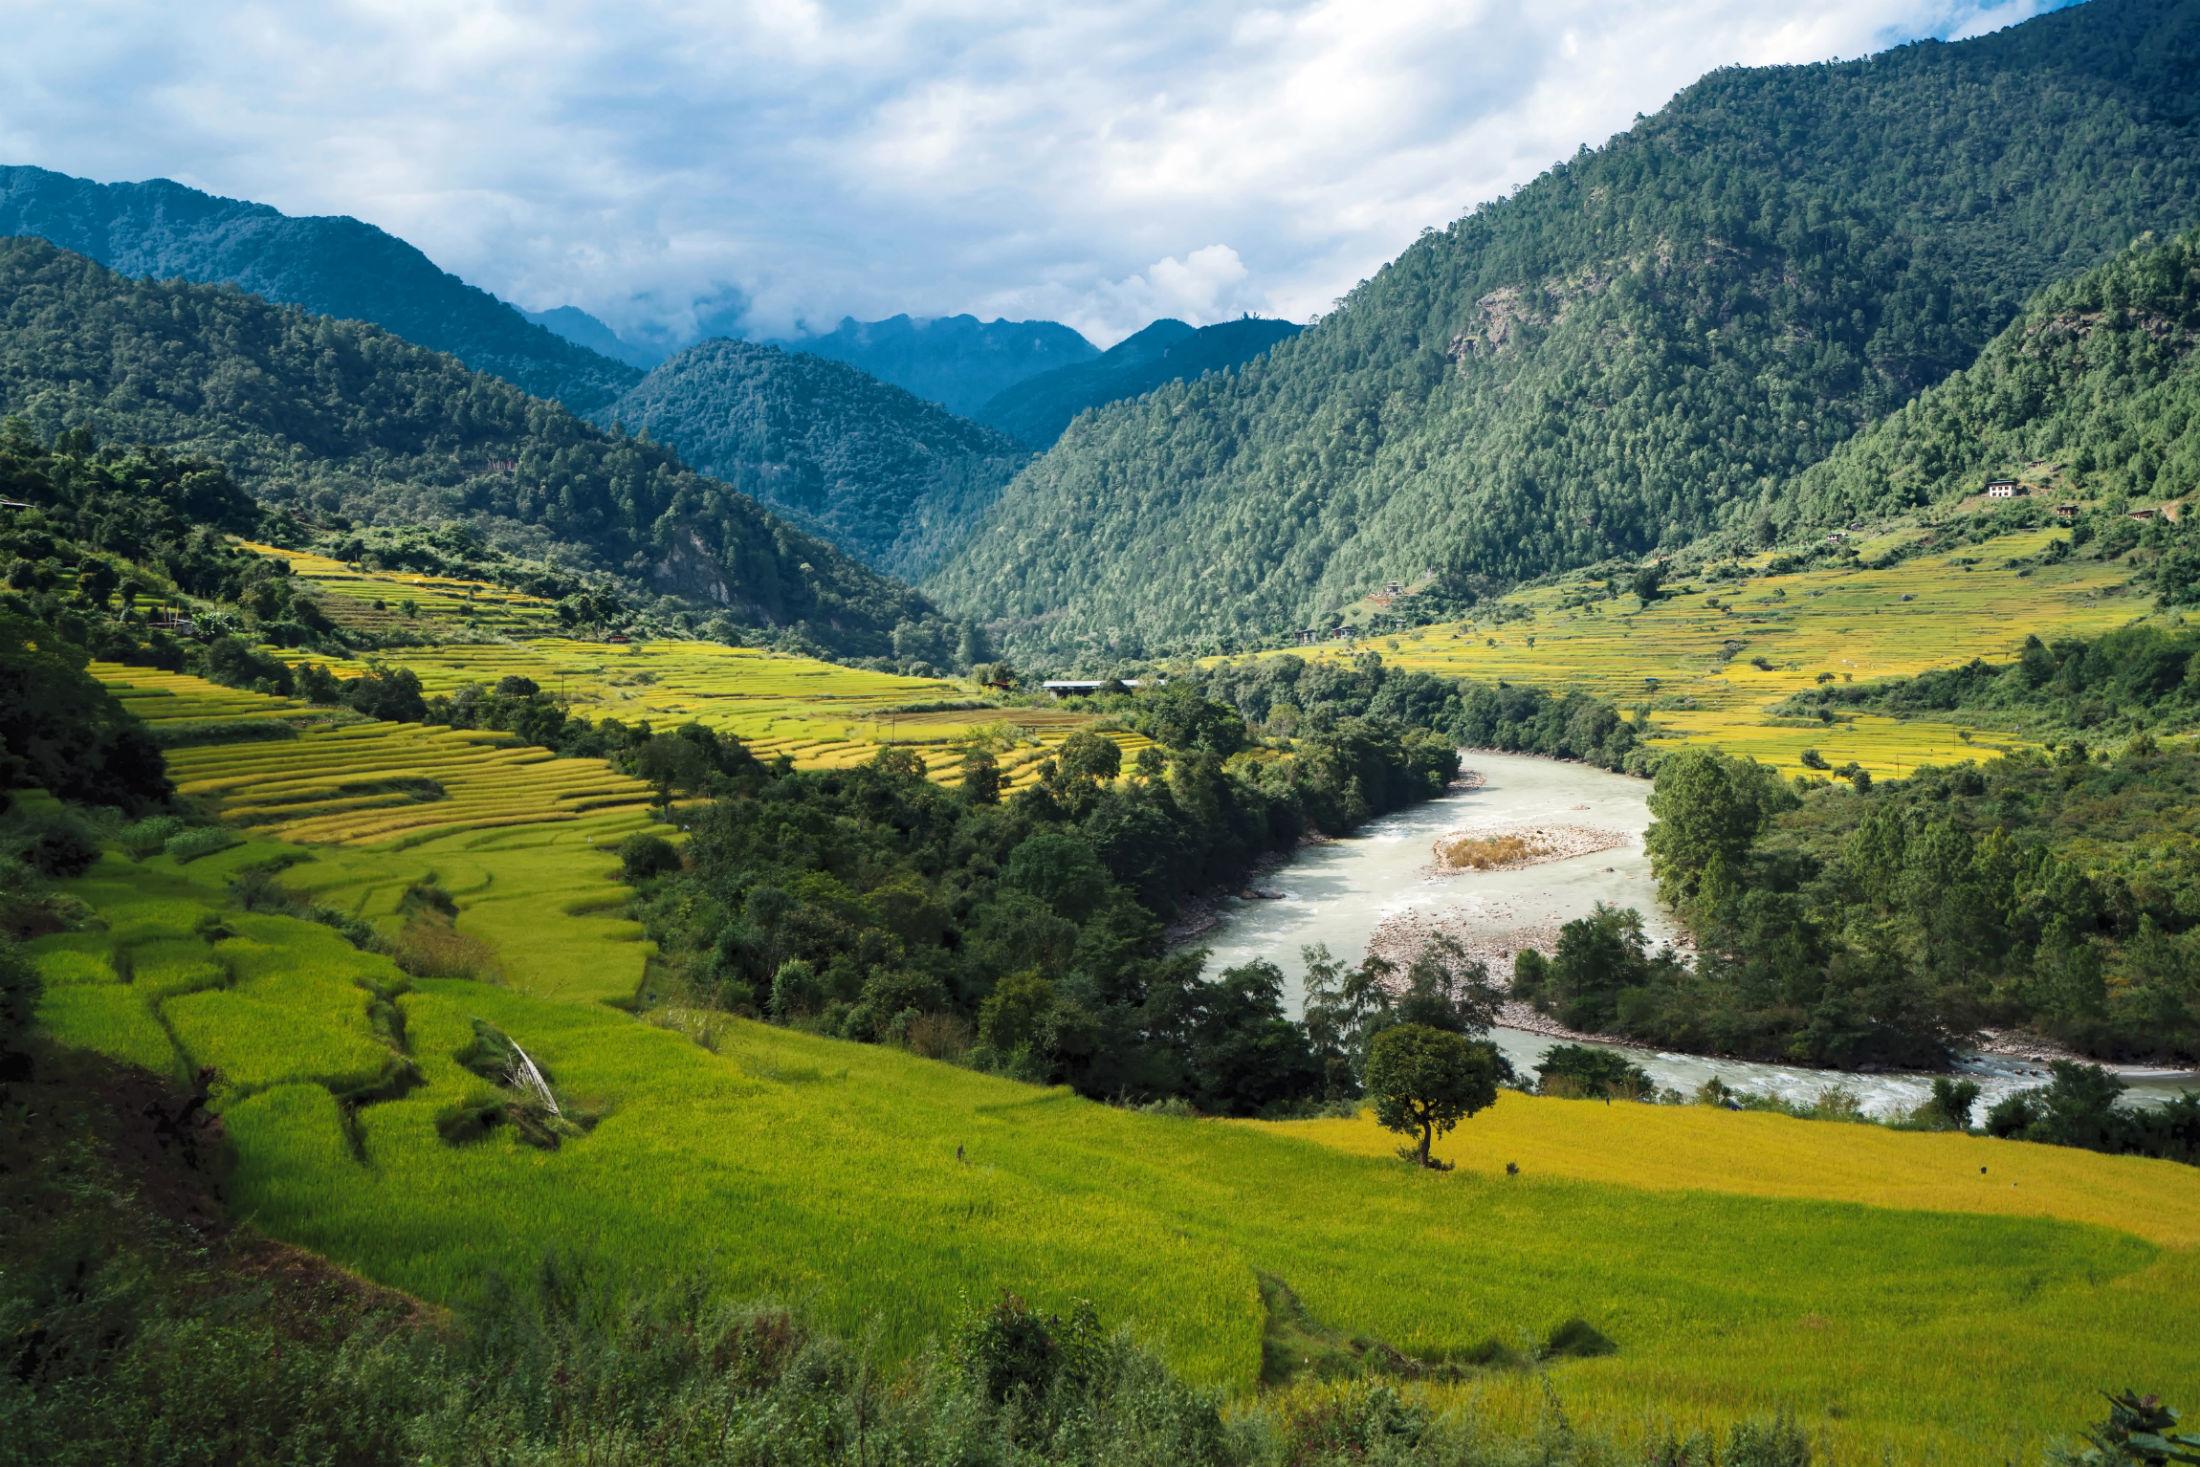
[1424, 1081]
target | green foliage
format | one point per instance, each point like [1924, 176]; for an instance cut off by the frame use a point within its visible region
[881, 473]
[1616, 355]
[2096, 377]
[329, 265]
[1579, 1069]
[981, 777]
[2130, 681]
[20, 986]
[1038, 919]
[1036, 410]
[1527, 720]
[2078, 1108]
[1708, 809]
[63, 732]
[1425, 1081]
[1605, 976]
[642, 856]
[325, 416]
[2140, 1432]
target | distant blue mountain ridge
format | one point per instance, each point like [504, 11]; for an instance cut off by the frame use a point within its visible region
[1036, 410]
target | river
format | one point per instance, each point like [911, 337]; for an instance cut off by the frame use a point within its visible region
[1341, 892]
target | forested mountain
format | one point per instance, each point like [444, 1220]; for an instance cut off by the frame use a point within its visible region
[1627, 351]
[1036, 411]
[333, 417]
[879, 471]
[957, 361]
[2096, 383]
[329, 265]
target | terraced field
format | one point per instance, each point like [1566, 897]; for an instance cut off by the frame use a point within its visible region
[1692, 655]
[819, 714]
[1743, 1264]
[353, 781]
[387, 601]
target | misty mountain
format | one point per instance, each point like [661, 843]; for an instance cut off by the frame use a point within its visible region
[330, 265]
[878, 470]
[582, 329]
[957, 361]
[1036, 411]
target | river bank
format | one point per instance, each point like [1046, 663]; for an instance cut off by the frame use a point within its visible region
[1383, 890]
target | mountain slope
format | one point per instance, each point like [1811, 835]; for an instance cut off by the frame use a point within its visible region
[327, 416]
[877, 470]
[582, 329]
[2097, 383]
[330, 265]
[1036, 411]
[1624, 353]
[956, 361]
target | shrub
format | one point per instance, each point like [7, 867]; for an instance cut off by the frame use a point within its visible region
[203, 840]
[643, 856]
[53, 840]
[1580, 1070]
[147, 837]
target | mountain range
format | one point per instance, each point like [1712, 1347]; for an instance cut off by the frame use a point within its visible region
[330, 265]
[878, 470]
[334, 417]
[1709, 327]
[1644, 345]
[1037, 409]
[959, 362]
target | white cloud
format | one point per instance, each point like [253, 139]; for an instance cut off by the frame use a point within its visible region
[816, 159]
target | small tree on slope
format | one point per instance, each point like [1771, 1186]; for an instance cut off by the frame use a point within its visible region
[1424, 1081]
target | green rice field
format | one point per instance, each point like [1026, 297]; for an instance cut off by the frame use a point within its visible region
[826, 1174]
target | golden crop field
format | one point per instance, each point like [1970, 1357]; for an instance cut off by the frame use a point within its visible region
[1900, 1305]
[362, 782]
[1694, 661]
[819, 714]
[377, 601]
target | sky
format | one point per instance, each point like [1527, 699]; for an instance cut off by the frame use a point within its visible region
[677, 167]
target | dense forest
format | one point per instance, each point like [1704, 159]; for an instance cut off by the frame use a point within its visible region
[1036, 411]
[1620, 354]
[323, 418]
[329, 266]
[1285, 695]
[880, 472]
[1025, 933]
[1879, 925]
[2093, 392]
[956, 361]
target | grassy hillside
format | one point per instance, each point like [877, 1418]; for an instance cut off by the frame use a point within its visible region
[1035, 411]
[1623, 353]
[328, 418]
[881, 473]
[327, 265]
[1690, 660]
[1876, 1276]
[956, 361]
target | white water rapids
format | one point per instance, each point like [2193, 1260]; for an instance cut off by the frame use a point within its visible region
[1338, 893]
